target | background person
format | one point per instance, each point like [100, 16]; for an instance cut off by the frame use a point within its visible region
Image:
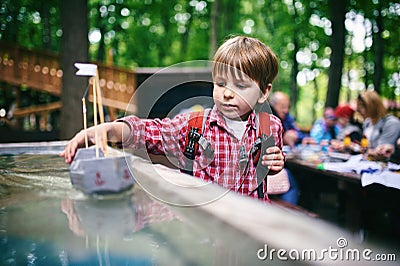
[348, 126]
[325, 129]
[381, 128]
[280, 106]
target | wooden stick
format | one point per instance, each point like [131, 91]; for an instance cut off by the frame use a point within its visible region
[95, 117]
[85, 121]
[101, 113]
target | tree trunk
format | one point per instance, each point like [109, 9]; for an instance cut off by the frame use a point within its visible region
[214, 28]
[74, 48]
[295, 72]
[338, 12]
[378, 73]
[101, 51]
[315, 100]
[46, 31]
[365, 67]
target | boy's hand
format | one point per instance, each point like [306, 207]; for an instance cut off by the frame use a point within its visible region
[274, 159]
[78, 141]
[111, 131]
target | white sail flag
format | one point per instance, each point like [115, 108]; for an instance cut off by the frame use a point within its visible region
[86, 69]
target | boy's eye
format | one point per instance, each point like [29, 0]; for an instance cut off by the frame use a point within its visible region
[241, 85]
[220, 84]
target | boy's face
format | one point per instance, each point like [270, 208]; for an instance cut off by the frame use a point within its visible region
[235, 97]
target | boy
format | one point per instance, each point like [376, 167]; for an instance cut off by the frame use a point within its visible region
[243, 70]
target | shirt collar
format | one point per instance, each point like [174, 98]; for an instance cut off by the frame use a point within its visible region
[217, 118]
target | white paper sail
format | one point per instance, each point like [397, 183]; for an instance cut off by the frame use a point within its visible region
[86, 69]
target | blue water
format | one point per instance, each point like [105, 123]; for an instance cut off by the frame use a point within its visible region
[21, 251]
[44, 220]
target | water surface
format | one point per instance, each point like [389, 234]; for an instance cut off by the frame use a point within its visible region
[46, 221]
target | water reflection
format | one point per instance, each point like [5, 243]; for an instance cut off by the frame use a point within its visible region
[133, 212]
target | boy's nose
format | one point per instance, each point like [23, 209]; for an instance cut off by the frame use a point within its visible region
[228, 92]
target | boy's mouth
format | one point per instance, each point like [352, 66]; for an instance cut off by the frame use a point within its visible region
[228, 106]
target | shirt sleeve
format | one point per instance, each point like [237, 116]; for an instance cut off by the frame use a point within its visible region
[158, 136]
[390, 131]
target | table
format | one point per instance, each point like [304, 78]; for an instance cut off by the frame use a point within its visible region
[373, 208]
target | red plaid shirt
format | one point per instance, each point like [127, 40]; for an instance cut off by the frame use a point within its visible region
[168, 137]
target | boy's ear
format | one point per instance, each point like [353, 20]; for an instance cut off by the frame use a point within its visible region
[264, 96]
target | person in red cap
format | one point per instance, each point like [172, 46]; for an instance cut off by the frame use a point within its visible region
[348, 125]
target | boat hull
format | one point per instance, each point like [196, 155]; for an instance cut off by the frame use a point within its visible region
[101, 175]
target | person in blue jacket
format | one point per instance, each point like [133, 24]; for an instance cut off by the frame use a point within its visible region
[326, 128]
[280, 105]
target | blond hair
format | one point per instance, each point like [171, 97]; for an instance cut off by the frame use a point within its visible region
[372, 102]
[249, 56]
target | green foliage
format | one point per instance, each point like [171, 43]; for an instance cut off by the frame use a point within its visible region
[32, 24]
[155, 33]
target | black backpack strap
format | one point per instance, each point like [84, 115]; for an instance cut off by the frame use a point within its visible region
[196, 124]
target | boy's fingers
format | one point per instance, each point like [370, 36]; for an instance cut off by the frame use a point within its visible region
[69, 151]
[273, 149]
[273, 153]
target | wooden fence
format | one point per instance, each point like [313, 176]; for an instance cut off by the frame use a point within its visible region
[41, 71]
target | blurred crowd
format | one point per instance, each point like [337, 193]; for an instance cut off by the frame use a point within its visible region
[366, 128]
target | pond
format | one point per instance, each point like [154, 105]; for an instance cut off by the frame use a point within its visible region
[44, 220]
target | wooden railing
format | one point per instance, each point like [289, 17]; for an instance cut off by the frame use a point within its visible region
[41, 71]
[117, 88]
[36, 70]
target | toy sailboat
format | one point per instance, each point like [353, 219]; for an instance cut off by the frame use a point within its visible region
[100, 175]
[94, 171]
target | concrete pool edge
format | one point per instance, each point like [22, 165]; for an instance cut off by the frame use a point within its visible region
[265, 223]
[43, 147]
